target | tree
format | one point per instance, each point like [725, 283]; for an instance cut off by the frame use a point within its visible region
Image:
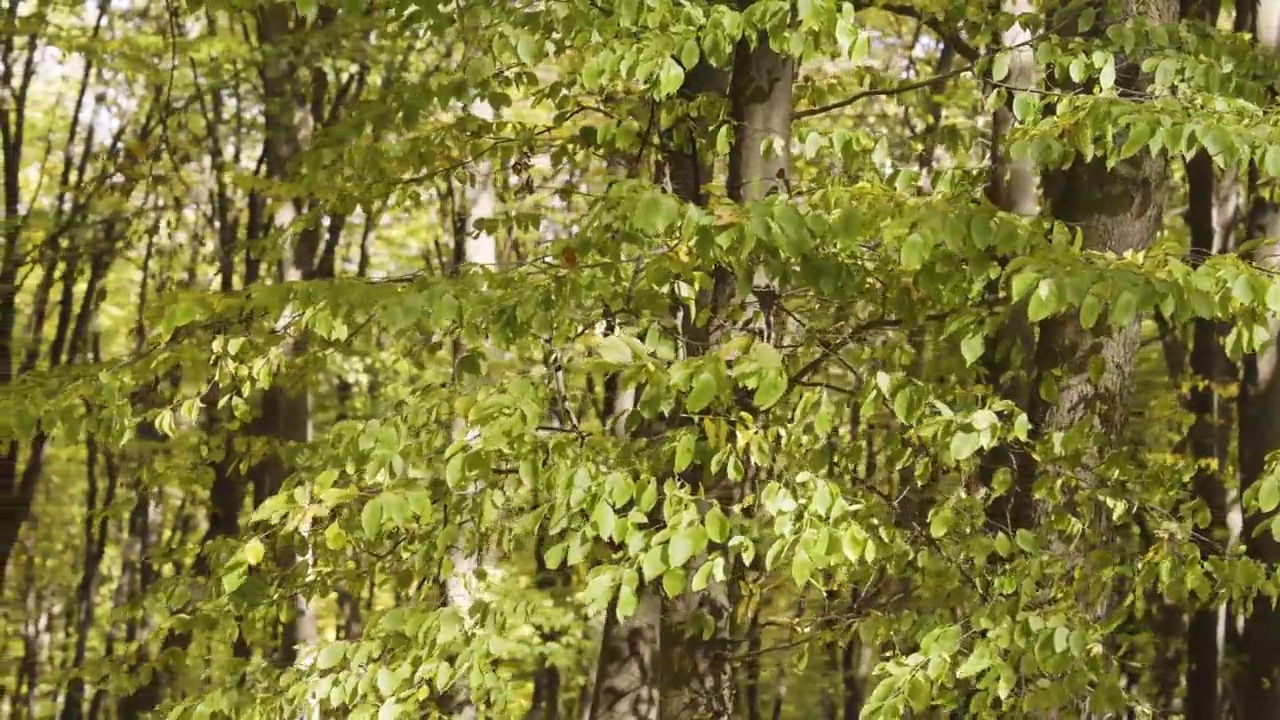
[637, 360]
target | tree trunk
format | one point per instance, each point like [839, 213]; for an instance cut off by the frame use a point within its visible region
[95, 545]
[1116, 210]
[1257, 685]
[628, 675]
[697, 674]
[1011, 187]
[1212, 205]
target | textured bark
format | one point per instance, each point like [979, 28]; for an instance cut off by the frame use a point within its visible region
[626, 686]
[136, 577]
[17, 487]
[760, 101]
[1212, 205]
[1258, 684]
[1116, 210]
[697, 673]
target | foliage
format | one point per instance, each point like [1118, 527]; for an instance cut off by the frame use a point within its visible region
[283, 441]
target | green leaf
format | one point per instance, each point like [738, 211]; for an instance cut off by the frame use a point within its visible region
[1025, 106]
[387, 681]
[915, 250]
[977, 662]
[689, 53]
[801, 568]
[1165, 72]
[455, 468]
[254, 552]
[1090, 309]
[1215, 140]
[673, 581]
[773, 385]
[529, 48]
[1000, 65]
[701, 578]
[685, 448]
[653, 563]
[1107, 78]
[853, 543]
[1075, 70]
[704, 391]
[861, 48]
[1269, 494]
[972, 348]
[604, 518]
[717, 525]
[686, 543]
[1139, 135]
[1124, 309]
[1271, 161]
[964, 445]
[1273, 296]
[655, 212]
[555, 555]
[331, 655]
[1061, 639]
[308, 8]
[1003, 544]
[335, 538]
[1085, 19]
[940, 522]
[1043, 302]
[615, 350]
[627, 602]
[371, 518]
[1077, 643]
[233, 579]
[670, 78]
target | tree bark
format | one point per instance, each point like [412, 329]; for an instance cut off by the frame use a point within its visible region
[1116, 210]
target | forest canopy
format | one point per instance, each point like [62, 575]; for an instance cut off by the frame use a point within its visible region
[639, 359]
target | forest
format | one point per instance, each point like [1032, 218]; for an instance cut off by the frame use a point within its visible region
[639, 359]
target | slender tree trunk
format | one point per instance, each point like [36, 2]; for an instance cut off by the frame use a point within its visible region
[1257, 685]
[285, 416]
[1209, 215]
[1011, 186]
[95, 540]
[477, 247]
[17, 488]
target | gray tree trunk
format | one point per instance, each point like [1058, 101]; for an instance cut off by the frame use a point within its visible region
[1213, 201]
[1257, 684]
